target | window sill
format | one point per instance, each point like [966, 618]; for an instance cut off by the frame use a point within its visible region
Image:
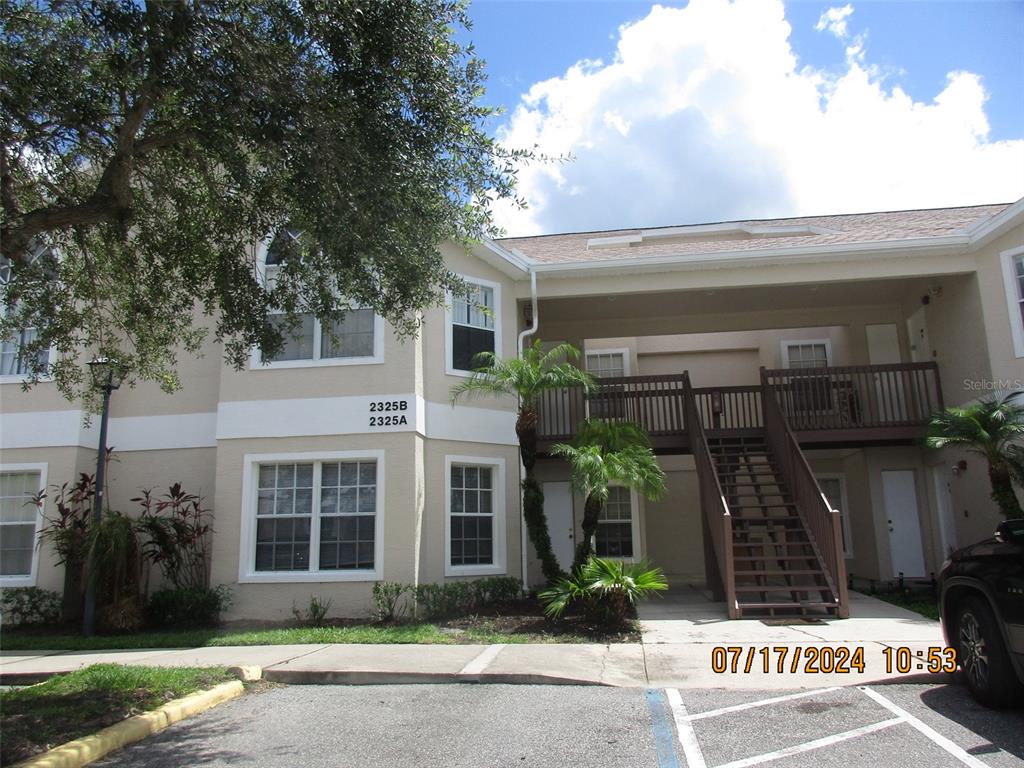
[20, 378]
[17, 581]
[474, 570]
[307, 577]
[256, 365]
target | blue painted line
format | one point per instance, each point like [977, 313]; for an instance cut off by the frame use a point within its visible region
[661, 725]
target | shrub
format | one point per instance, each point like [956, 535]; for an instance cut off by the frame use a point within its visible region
[177, 532]
[29, 605]
[315, 615]
[388, 603]
[496, 590]
[187, 607]
[606, 589]
[441, 601]
[116, 570]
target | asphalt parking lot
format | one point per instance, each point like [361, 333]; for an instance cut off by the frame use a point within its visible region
[902, 726]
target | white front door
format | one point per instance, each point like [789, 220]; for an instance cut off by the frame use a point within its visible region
[917, 332]
[900, 496]
[558, 510]
[884, 349]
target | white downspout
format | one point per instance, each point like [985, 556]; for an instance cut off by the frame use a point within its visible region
[522, 470]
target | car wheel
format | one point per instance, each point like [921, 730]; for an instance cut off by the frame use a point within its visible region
[982, 655]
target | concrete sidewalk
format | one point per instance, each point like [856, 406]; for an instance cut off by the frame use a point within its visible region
[679, 635]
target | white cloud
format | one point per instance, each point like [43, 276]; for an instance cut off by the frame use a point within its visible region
[834, 20]
[705, 114]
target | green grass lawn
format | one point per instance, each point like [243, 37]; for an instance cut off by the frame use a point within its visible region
[482, 631]
[924, 603]
[70, 706]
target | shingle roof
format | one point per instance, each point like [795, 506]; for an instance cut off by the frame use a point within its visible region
[842, 229]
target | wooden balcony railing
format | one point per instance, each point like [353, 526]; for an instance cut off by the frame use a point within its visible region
[653, 402]
[729, 408]
[822, 405]
[717, 520]
[857, 396]
[822, 523]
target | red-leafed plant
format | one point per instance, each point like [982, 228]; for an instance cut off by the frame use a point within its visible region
[177, 531]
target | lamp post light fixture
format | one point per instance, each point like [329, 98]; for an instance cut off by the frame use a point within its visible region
[104, 378]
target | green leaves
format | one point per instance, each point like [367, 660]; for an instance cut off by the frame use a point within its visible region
[153, 145]
[607, 588]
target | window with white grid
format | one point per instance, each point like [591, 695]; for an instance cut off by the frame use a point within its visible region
[471, 515]
[353, 338]
[604, 365]
[472, 325]
[19, 517]
[15, 357]
[614, 536]
[316, 516]
[813, 354]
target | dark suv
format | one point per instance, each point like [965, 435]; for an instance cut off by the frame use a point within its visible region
[981, 597]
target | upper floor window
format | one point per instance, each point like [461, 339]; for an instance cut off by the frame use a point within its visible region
[19, 524]
[806, 354]
[16, 357]
[605, 365]
[356, 338]
[1013, 279]
[474, 325]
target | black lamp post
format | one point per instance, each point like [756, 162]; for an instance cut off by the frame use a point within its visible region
[104, 377]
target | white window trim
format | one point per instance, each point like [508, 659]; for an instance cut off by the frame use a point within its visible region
[247, 573]
[624, 351]
[498, 568]
[448, 344]
[21, 378]
[786, 343]
[844, 510]
[30, 580]
[636, 511]
[256, 362]
[1013, 298]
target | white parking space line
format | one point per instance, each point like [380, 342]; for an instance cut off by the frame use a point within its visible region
[687, 738]
[761, 703]
[958, 752]
[481, 662]
[810, 745]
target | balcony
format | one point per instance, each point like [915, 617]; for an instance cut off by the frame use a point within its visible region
[837, 406]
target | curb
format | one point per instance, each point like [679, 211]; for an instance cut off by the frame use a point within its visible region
[89, 748]
[367, 677]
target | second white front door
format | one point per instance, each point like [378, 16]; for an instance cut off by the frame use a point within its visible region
[899, 493]
[558, 510]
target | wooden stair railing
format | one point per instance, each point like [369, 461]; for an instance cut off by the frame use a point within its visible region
[821, 522]
[717, 520]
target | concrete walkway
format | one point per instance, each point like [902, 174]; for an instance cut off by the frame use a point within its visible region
[679, 635]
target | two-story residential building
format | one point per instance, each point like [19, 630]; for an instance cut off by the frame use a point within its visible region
[785, 370]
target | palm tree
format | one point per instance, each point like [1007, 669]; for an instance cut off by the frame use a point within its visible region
[527, 378]
[991, 427]
[608, 453]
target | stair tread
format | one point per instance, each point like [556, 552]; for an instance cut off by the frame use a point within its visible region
[762, 558]
[779, 573]
[797, 604]
[780, 588]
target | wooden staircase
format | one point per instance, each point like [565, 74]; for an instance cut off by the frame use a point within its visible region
[776, 565]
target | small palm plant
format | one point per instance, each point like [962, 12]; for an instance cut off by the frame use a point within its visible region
[992, 427]
[527, 378]
[607, 589]
[607, 453]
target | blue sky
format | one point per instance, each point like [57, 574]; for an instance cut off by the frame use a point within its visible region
[885, 61]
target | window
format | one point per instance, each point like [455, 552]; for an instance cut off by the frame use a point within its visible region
[356, 338]
[607, 402]
[1013, 280]
[806, 354]
[314, 518]
[605, 365]
[834, 488]
[19, 523]
[15, 358]
[614, 537]
[474, 325]
[475, 516]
